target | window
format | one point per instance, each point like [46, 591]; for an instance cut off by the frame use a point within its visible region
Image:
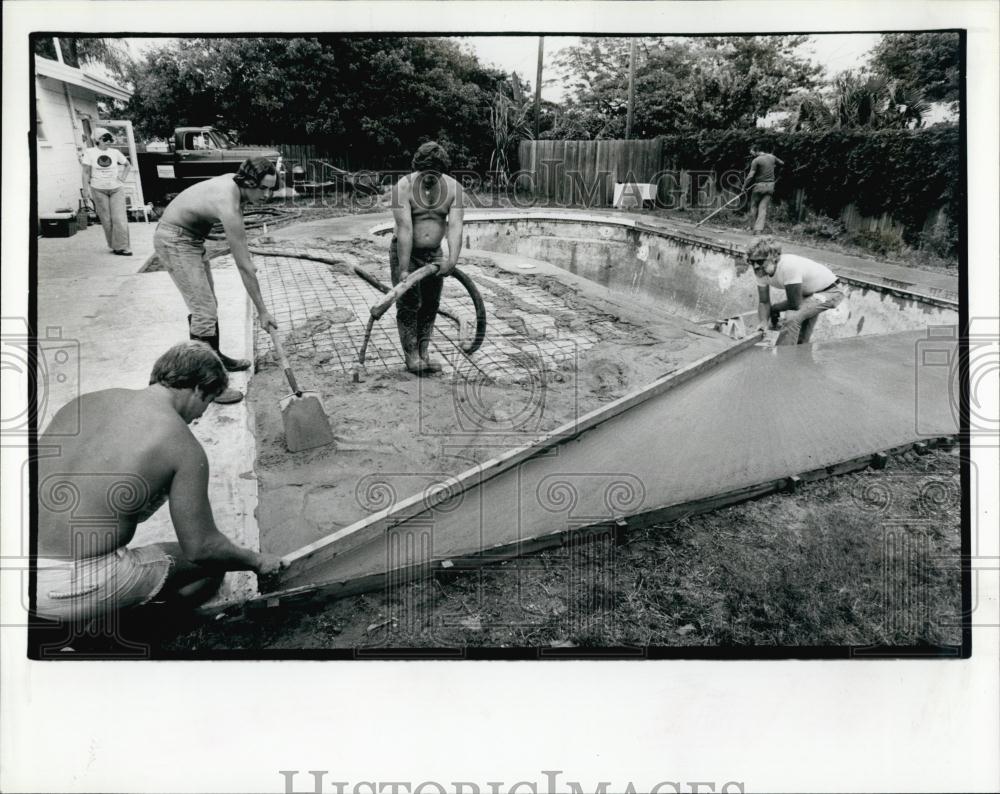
[199, 141]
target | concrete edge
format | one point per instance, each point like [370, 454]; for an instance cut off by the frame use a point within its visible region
[939, 298]
[239, 524]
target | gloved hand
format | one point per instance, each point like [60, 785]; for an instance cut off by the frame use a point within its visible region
[775, 318]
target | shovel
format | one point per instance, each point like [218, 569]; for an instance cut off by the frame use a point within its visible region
[306, 424]
[720, 209]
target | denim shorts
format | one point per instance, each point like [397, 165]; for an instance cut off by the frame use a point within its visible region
[86, 588]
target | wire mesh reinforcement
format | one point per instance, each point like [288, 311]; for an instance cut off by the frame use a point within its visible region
[321, 314]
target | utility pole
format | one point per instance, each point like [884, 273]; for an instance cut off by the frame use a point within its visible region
[538, 85]
[631, 90]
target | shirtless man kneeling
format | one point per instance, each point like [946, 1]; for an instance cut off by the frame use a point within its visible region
[179, 242]
[425, 204]
[132, 450]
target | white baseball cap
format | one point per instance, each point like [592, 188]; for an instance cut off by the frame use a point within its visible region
[100, 132]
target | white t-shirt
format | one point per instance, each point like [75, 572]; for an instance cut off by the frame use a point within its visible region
[793, 269]
[104, 167]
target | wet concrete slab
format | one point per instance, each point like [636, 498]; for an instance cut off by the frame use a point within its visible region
[553, 350]
[764, 414]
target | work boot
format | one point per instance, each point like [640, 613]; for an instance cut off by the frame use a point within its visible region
[231, 364]
[428, 364]
[411, 347]
[414, 363]
[229, 395]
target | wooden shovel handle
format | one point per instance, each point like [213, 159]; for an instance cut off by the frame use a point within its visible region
[283, 361]
[392, 295]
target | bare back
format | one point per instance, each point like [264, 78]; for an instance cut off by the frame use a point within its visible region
[200, 206]
[430, 200]
[109, 477]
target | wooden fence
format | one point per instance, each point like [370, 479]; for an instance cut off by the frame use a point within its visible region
[584, 173]
[311, 157]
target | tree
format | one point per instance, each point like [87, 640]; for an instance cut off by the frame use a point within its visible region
[862, 101]
[720, 82]
[921, 63]
[371, 100]
[509, 123]
[113, 54]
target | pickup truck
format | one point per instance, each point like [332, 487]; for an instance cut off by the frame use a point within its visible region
[194, 154]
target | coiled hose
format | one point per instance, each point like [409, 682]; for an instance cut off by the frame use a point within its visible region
[462, 278]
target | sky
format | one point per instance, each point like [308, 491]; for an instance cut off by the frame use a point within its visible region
[836, 52]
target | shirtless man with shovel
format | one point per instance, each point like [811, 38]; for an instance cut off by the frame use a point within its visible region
[425, 205]
[179, 242]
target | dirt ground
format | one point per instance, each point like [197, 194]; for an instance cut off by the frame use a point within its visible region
[862, 560]
[395, 430]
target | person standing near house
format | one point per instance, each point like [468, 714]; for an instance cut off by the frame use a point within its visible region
[179, 242]
[105, 171]
[762, 178]
[426, 205]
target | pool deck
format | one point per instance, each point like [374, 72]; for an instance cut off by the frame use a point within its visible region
[121, 320]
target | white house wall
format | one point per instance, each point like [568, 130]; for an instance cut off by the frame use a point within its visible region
[59, 173]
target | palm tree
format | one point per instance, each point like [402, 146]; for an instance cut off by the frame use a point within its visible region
[863, 102]
[509, 123]
[113, 54]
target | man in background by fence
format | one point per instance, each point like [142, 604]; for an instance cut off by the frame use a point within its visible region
[762, 178]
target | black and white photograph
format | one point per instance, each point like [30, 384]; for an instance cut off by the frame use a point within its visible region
[619, 340]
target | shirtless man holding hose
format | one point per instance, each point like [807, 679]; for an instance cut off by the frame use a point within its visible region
[425, 205]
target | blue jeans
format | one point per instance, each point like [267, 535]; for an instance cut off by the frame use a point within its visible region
[183, 255]
[110, 206]
[84, 588]
[799, 323]
[760, 199]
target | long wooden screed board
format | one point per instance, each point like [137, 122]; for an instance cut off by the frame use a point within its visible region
[725, 428]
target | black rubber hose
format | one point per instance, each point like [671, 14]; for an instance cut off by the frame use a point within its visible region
[477, 302]
[462, 278]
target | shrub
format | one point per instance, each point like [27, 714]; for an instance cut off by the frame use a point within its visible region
[941, 239]
[906, 173]
[878, 242]
[820, 226]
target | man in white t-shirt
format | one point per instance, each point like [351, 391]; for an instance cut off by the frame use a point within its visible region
[105, 171]
[810, 288]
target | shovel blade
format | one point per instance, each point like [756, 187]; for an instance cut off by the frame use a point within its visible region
[305, 421]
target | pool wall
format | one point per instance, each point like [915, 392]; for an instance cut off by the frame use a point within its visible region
[696, 278]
